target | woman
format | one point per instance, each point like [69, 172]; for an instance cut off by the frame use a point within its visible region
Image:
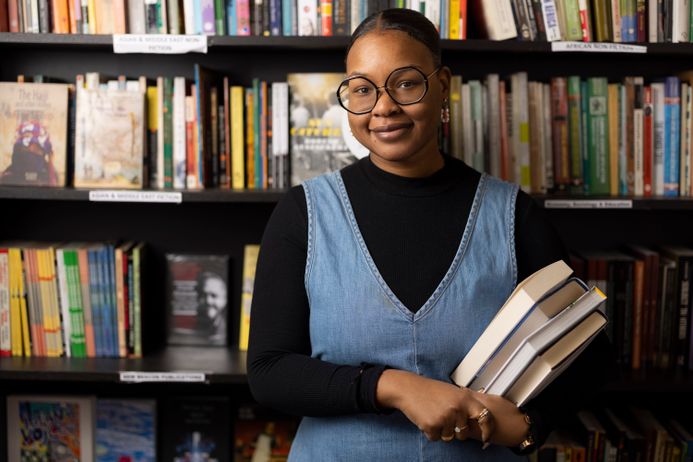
[373, 282]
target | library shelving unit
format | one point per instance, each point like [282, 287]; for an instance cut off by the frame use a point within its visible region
[222, 222]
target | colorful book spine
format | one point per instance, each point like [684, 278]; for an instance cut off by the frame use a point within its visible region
[85, 286]
[76, 312]
[237, 138]
[137, 297]
[179, 133]
[598, 134]
[575, 134]
[96, 304]
[257, 134]
[64, 302]
[5, 310]
[243, 17]
[584, 137]
[672, 102]
[208, 17]
[168, 132]
[648, 142]
[638, 140]
[659, 137]
[276, 11]
[288, 18]
[219, 17]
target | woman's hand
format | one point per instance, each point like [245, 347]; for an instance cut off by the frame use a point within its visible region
[510, 425]
[436, 408]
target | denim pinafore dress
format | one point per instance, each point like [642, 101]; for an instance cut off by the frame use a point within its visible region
[355, 318]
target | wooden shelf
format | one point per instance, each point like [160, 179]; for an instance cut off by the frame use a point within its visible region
[629, 381]
[220, 365]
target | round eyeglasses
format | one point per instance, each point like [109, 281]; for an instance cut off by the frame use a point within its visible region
[406, 85]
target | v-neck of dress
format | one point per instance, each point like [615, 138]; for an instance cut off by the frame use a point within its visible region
[452, 269]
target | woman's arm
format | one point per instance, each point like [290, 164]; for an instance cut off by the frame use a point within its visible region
[281, 373]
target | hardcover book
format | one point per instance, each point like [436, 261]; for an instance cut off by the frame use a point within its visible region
[317, 128]
[125, 430]
[109, 139]
[197, 294]
[197, 429]
[50, 428]
[33, 134]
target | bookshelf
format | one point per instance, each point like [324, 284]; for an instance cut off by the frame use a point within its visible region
[216, 221]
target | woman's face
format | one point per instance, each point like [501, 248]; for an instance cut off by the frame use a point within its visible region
[393, 133]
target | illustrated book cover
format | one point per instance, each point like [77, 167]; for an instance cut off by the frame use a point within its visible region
[109, 139]
[50, 428]
[33, 134]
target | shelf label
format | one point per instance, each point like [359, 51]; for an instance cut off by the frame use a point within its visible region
[598, 47]
[145, 377]
[588, 204]
[159, 43]
[168, 197]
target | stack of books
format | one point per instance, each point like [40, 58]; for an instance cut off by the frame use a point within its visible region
[547, 321]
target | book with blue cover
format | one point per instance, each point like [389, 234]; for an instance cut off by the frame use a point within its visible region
[125, 430]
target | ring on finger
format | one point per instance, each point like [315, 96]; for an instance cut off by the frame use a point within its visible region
[461, 429]
[447, 439]
[483, 415]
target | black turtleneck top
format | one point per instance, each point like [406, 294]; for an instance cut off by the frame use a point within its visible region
[412, 228]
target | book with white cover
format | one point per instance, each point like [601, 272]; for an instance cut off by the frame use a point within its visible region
[548, 307]
[524, 297]
[560, 339]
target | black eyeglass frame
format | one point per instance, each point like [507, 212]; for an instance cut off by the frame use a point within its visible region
[386, 88]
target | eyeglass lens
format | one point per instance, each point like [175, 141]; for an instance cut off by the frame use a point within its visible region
[405, 86]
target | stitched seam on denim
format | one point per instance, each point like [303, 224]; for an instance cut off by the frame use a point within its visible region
[356, 232]
[310, 252]
[511, 236]
[480, 193]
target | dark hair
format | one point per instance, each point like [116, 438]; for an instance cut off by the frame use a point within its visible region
[413, 23]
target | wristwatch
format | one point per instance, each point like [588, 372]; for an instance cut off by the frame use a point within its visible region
[527, 445]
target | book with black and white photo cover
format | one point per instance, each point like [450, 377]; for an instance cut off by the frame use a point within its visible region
[33, 134]
[54, 428]
[319, 134]
[196, 429]
[197, 299]
[109, 138]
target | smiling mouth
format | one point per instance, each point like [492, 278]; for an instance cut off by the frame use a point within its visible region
[391, 127]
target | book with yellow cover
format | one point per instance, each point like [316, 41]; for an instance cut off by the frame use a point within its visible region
[250, 255]
[33, 134]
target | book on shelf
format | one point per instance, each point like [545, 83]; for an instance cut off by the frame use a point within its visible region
[197, 428]
[109, 138]
[32, 421]
[316, 126]
[34, 134]
[197, 299]
[543, 326]
[125, 429]
[250, 256]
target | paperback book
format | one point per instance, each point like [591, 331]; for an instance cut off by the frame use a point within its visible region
[33, 134]
[197, 294]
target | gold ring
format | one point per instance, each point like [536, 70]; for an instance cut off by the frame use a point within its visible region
[447, 439]
[483, 415]
[459, 429]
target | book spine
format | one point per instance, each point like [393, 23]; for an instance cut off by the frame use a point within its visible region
[601, 21]
[5, 311]
[616, 21]
[136, 18]
[120, 303]
[326, 18]
[598, 136]
[288, 18]
[213, 134]
[685, 141]
[684, 309]
[208, 17]
[257, 134]
[629, 84]
[190, 178]
[179, 133]
[219, 19]
[168, 133]
[237, 138]
[275, 18]
[96, 308]
[560, 132]
[78, 340]
[550, 18]
[672, 101]
[225, 130]
[307, 18]
[575, 134]
[189, 16]
[613, 137]
[86, 296]
[648, 142]
[638, 138]
[585, 137]
[573, 22]
[137, 277]
[641, 21]
[109, 253]
[67, 325]
[249, 138]
[243, 17]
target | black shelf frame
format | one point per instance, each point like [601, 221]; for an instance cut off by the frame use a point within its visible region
[322, 43]
[274, 195]
[220, 366]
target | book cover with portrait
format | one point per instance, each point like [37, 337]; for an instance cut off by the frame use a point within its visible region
[320, 138]
[109, 139]
[33, 134]
[197, 299]
[196, 429]
[51, 428]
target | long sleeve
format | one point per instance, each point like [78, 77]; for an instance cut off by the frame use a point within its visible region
[281, 373]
